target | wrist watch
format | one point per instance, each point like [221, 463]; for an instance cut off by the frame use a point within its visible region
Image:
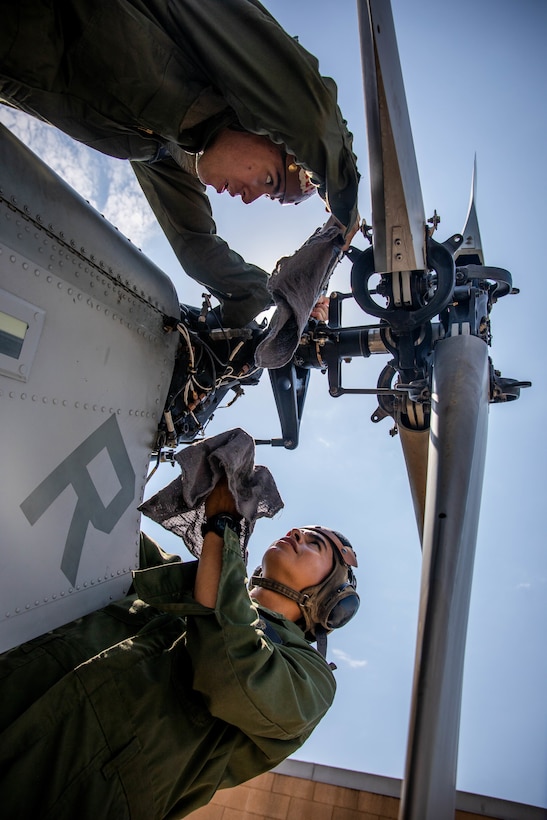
[218, 523]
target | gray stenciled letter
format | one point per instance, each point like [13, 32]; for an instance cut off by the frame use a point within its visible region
[89, 507]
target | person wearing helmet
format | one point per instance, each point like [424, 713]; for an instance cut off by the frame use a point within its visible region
[189, 684]
[251, 166]
[171, 86]
[318, 603]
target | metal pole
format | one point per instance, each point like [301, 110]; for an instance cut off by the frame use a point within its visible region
[455, 471]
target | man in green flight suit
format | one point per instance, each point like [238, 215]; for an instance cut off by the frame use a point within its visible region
[194, 93]
[144, 709]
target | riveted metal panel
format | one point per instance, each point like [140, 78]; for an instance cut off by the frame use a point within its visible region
[78, 426]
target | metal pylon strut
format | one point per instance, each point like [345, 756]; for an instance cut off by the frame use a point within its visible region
[457, 448]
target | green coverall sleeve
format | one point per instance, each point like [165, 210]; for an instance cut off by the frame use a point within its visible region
[274, 86]
[183, 210]
[270, 691]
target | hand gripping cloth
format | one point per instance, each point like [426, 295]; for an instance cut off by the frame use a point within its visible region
[180, 506]
[296, 285]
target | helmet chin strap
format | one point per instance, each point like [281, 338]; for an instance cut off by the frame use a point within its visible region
[275, 586]
[301, 599]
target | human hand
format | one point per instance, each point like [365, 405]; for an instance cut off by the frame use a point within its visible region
[220, 500]
[321, 309]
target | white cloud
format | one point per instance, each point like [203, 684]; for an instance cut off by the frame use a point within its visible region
[353, 663]
[108, 184]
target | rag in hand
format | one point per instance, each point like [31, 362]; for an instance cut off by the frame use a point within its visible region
[180, 507]
[296, 285]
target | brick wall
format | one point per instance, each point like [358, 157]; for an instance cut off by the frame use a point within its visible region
[276, 796]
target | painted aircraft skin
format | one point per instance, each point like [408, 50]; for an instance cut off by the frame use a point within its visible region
[85, 362]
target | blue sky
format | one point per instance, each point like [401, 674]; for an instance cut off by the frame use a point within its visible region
[474, 74]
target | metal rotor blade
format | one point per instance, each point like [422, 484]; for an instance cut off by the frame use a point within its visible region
[398, 218]
[415, 444]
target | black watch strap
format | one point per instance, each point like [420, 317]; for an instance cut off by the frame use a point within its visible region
[218, 523]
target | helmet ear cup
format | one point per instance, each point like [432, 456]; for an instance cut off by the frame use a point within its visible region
[345, 607]
[333, 610]
[331, 604]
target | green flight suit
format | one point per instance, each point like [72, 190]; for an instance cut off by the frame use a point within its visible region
[131, 77]
[144, 709]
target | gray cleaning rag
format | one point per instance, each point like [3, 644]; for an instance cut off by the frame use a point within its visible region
[180, 506]
[296, 285]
